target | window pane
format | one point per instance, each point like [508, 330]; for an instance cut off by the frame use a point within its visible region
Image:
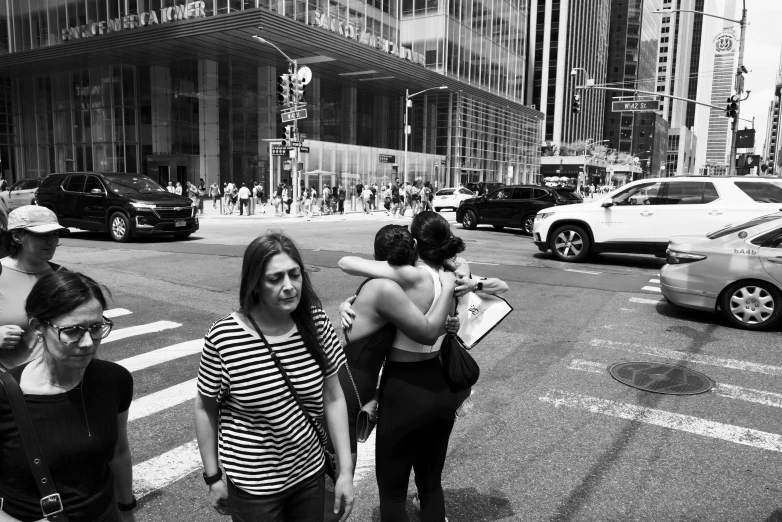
[762, 192]
[75, 183]
[522, 193]
[93, 183]
[685, 193]
[643, 194]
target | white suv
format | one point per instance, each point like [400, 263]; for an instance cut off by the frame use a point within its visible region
[640, 217]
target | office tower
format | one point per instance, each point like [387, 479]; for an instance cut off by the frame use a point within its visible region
[632, 64]
[725, 49]
[771, 148]
[567, 36]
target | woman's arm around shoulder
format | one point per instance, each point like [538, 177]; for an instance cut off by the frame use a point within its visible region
[405, 276]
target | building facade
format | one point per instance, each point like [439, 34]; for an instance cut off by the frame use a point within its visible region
[724, 49]
[182, 91]
[771, 148]
[632, 64]
[568, 36]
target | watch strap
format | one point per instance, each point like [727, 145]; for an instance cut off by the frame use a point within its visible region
[213, 479]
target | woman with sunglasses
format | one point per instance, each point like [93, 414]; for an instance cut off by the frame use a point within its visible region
[31, 240]
[78, 406]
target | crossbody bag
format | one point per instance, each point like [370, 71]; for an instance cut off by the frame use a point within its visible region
[331, 465]
[51, 503]
[364, 424]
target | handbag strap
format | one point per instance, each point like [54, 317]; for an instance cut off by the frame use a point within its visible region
[319, 431]
[355, 388]
[51, 503]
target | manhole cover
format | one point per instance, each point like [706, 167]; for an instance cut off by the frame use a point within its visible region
[661, 378]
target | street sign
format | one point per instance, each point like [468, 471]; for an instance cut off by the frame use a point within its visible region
[635, 106]
[745, 139]
[279, 150]
[386, 158]
[298, 114]
[304, 150]
[295, 144]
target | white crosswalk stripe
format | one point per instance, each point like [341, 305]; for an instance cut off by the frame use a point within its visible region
[161, 355]
[162, 400]
[124, 333]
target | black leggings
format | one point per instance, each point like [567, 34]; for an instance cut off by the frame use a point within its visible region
[416, 416]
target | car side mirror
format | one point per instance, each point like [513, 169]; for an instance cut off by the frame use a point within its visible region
[608, 203]
[96, 191]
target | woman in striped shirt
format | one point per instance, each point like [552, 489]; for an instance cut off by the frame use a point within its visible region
[247, 419]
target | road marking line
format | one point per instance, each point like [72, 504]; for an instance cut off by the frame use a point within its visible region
[644, 301]
[124, 333]
[651, 289]
[116, 312]
[732, 364]
[161, 355]
[162, 400]
[654, 281]
[587, 366]
[582, 271]
[748, 394]
[479, 263]
[158, 472]
[675, 421]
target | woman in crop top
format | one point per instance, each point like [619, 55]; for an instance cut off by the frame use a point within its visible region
[417, 408]
[379, 308]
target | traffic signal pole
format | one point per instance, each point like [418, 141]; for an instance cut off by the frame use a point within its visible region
[739, 89]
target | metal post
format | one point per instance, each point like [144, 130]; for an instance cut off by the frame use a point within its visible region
[739, 73]
[295, 164]
[407, 101]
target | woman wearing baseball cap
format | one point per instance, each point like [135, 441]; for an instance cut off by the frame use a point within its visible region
[31, 239]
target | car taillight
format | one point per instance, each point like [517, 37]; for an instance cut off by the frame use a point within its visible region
[674, 257]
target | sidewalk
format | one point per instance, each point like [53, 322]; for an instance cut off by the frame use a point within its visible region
[257, 212]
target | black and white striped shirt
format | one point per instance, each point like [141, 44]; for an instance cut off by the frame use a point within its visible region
[266, 445]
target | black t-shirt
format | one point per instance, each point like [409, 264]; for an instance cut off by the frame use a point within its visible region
[79, 463]
[359, 189]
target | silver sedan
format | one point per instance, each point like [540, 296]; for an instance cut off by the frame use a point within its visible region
[736, 270]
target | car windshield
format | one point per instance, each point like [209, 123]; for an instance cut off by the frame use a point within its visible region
[730, 229]
[133, 185]
[444, 192]
[568, 194]
[762, 192]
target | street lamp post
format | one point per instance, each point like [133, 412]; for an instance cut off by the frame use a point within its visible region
[408, 103]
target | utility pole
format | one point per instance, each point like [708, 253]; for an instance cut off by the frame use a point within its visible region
[739, 91]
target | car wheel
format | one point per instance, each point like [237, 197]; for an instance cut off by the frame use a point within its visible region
[119, 227]
[499, 227]
[570, 243]
[527, 224]
[469, 220]
[752, 305]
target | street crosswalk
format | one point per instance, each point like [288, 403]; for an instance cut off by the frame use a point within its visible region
[173, 464]
[653, 286]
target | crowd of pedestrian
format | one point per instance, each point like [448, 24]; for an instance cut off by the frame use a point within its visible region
[278, 394]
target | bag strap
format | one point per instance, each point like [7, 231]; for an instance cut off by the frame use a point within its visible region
[51, 503]
[319, 431]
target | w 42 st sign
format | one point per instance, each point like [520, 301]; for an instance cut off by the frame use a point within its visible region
[635, 106]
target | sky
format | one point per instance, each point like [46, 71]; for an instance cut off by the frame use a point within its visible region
[761, 58]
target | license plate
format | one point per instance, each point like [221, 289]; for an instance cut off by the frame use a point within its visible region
[180, 223]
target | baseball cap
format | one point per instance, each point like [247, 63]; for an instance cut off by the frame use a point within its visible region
[38, 220]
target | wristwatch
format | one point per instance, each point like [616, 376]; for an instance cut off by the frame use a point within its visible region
[214, 478]
[479, 286]
[129, 506]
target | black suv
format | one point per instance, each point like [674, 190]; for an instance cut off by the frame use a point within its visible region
[125, 205]
[514, 206]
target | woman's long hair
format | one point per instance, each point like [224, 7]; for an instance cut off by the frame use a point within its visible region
[436, 242]
[256, 257]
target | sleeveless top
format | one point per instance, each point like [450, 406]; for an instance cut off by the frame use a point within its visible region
[368, 353]
[403, 342]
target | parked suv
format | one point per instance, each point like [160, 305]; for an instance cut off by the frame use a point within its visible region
[125, 205]
[642, 216]
[514, 206]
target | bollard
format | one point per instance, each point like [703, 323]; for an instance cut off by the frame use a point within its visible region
[251, 209]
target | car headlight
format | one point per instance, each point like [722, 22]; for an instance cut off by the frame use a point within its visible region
[541, 217]
[674, 257]
[147, 206]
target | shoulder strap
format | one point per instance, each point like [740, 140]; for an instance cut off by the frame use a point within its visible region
[51, 504]
[319, 431]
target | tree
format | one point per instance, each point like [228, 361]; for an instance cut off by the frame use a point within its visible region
[549, 149]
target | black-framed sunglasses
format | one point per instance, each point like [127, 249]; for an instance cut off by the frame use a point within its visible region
[74, 334]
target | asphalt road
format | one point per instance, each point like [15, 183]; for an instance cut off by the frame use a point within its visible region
[552, 436]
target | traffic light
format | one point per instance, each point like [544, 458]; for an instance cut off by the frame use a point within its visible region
[287, 135]
[733, 106]
[297, 90]
[284, 90]
[576, 105]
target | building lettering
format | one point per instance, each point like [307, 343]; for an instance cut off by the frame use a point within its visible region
[195, 9]
[349, 30]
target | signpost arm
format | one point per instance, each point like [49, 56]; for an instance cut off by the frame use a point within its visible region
[658, 94]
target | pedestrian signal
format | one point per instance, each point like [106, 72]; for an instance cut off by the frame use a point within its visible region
[284, 90]
[576, 105]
